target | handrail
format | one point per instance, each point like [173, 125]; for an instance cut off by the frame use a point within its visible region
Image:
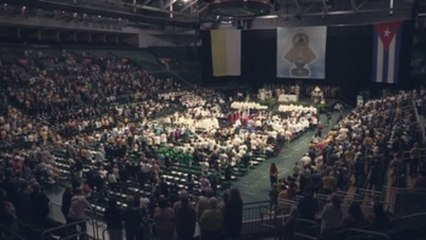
[92, 219]
[408, 222]
[304, 236]
[255, 203]
[307, 221]
[411, 215]
[72, 236]
[357, 230]
[311, 234]
[8, 233]
[94, 222]
[65, 226]
[407, 189]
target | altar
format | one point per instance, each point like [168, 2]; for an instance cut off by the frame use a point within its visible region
[288, 98]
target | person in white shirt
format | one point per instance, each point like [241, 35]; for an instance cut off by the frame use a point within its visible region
[111, 178]
[157, 140]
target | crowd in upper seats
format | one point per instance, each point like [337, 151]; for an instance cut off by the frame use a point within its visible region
[95, 91]
[82, 83]
[103, 115]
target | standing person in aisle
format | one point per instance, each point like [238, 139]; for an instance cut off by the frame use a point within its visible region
[273, 174]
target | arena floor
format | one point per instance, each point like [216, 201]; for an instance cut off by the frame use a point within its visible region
[254, 186]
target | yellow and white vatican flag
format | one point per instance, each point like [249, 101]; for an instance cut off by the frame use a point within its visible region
[226, 52]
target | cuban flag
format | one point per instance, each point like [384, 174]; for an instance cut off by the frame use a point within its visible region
[386, 52]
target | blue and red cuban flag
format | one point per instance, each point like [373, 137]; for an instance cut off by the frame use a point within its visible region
[386, 52]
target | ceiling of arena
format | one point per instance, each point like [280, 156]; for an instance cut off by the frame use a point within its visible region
[192, 13]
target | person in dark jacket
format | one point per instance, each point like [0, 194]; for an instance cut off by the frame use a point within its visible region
[308, 206]
[379, 221]
[23, 204]
[113, 218]
[185, 217]
[66, 202]
[133, 218]
[233, 215]
[40, 206]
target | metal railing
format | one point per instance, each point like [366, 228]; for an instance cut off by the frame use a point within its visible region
[7, 234]
[416, 220]
[306, 229]
[403, 201]
[66, 231]
[354, 233]
[252, 217]
[92, 219]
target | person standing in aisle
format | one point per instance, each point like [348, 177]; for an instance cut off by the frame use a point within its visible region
[273, 174]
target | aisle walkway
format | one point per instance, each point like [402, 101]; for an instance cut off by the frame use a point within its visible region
[255, 185]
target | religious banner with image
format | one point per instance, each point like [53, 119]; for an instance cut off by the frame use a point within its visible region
[301, 52]
[386, 51]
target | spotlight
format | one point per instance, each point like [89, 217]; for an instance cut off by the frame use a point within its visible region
[390, 8]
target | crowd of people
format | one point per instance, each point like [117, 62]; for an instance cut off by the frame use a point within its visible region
[96, 120]
[139, 148]
[380, 137]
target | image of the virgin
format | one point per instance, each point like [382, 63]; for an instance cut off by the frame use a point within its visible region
[300, 54]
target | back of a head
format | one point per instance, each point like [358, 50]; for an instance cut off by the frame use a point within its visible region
[184, 198]
[68, 189]
[79, 191]
[213, 203]
[355, 210]
[308, 193]
[335, 200]
[234, 194]
[225, 197]
[162, 202]
[209, 193]
[130, 201]
[36, 188]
